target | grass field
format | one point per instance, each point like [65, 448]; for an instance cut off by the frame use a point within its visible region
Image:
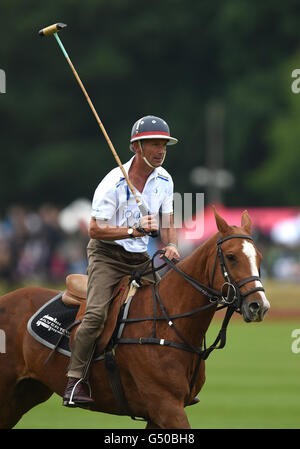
[253, 382]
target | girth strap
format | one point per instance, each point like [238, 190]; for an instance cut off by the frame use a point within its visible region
[116, 384]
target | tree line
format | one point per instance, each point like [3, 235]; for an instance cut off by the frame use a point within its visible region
[168, 58]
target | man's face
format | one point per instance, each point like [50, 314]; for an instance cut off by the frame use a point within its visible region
[155, 150]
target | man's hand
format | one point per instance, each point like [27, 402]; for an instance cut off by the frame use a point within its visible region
[149, 223]
[171, 252]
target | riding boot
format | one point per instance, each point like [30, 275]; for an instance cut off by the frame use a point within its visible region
[77, 393]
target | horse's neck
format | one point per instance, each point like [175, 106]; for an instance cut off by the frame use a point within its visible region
[179, 296]
[195, 265]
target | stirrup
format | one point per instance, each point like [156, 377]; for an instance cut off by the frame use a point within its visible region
[70, 401]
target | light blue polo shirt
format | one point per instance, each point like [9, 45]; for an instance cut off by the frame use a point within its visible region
[114, 203]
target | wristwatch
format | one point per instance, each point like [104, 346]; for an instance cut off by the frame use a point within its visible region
[130, 232]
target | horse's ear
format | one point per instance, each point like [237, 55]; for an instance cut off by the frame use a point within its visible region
[246, 222]
[222, 226]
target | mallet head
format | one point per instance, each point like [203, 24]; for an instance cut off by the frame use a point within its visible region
[52, 29]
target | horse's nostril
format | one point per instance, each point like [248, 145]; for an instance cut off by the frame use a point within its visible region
[254, 307]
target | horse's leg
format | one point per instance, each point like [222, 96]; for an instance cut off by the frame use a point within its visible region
[19, 392]
[151, 426]
[7, 405]
[166, 412]
[170, 416]
[20, 398]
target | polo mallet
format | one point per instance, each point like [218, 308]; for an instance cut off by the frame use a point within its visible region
[53, 29]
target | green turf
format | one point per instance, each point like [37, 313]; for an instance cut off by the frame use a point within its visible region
[253, 382]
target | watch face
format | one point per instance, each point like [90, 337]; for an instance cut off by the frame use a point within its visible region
[130, 231]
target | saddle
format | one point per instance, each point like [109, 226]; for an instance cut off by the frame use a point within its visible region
[76, 289]
[76, 293]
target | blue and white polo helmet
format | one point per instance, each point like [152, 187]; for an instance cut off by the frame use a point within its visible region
[151, 127]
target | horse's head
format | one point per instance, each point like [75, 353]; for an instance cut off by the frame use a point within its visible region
[239, 261]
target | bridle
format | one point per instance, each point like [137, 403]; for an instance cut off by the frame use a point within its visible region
[232, 287]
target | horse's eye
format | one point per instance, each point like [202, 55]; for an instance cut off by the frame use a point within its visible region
[231, 257]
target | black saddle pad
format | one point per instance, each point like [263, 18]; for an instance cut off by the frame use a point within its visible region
[50, 323]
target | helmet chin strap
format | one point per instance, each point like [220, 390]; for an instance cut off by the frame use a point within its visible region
[145, 159]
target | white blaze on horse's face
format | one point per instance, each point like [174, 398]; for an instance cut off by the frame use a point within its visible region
[250, 252]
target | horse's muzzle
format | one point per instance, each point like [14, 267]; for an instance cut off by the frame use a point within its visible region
[254, 310]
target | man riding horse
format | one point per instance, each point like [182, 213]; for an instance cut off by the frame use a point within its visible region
[119, 239]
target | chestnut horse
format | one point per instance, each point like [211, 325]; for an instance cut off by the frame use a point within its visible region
[158, 380]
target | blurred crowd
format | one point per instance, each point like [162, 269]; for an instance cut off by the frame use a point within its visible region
[47, 244]
[35, 247]
[280, 261]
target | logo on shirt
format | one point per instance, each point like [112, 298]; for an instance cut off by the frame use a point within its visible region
[131, 213]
